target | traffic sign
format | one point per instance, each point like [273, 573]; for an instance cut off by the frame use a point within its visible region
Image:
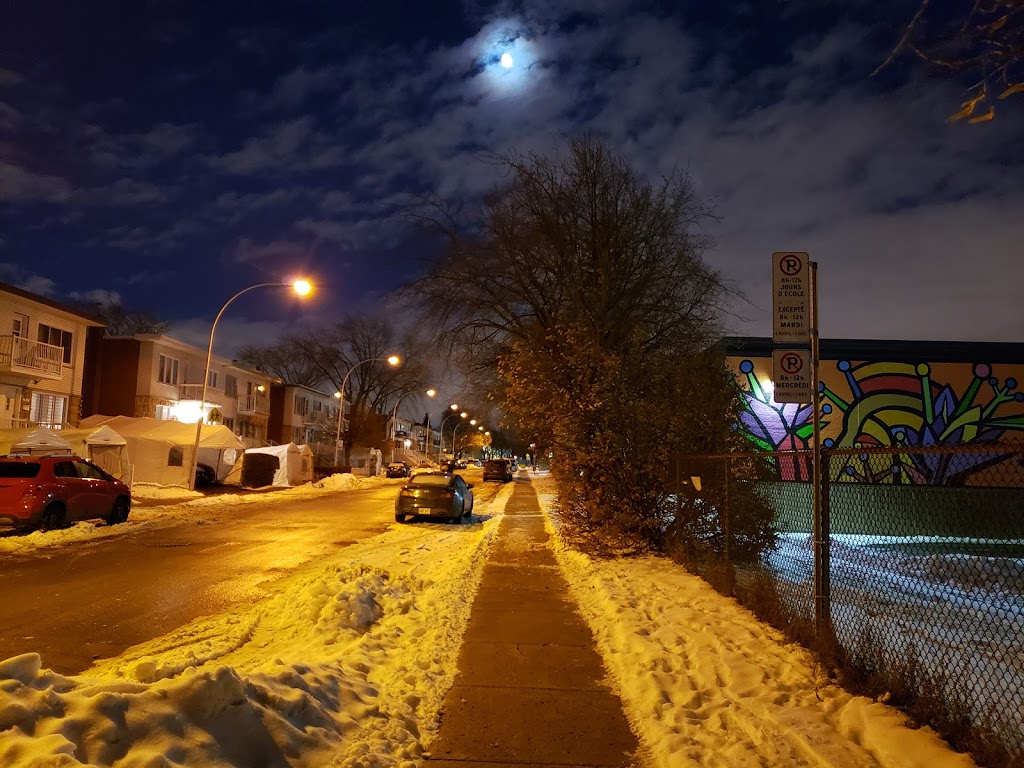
[791, 374]
[213, 417]
[791, 297]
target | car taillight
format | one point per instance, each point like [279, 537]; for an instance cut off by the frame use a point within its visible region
[31, 490]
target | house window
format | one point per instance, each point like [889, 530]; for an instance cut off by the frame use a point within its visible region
[168, 372]
[20, 327]
[230, 385]
[48, 410]
[211, 380]
[58, 338]
[301, 405]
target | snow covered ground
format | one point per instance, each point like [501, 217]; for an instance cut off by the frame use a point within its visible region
[961, 617]
[348, 662]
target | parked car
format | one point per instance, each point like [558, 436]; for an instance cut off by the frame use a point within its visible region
[497, 469]
[397, 469]
[47, 492]
[435, 494]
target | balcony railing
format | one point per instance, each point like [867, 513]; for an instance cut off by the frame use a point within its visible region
[30, 358]
[195, 392]
[318, 418]
[254, 404]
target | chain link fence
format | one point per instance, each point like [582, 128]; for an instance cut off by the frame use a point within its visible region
[922, 585]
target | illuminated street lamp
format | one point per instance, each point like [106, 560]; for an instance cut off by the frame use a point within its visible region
[394, 415]
[440, 442]
[393, 360]
[302, 288]
[440, 449]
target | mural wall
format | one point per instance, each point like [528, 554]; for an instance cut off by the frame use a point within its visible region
[890, 404]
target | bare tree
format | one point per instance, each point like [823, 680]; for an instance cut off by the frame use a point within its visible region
[583, 290]
[323, 357]
[122, 322]
[281, 361]
[983, 40]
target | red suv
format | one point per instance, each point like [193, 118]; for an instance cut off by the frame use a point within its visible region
[48, 492]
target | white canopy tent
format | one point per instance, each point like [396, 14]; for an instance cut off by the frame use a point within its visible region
[32, 440]
[295, 463]
[101, 445]
[161, 451]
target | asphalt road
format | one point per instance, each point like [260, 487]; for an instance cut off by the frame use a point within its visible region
[93, 599]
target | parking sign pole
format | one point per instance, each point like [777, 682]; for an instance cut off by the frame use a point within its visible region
[822, 602]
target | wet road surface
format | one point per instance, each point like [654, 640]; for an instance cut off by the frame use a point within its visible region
[92, 599]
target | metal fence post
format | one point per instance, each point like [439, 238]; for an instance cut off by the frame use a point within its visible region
[824, 609]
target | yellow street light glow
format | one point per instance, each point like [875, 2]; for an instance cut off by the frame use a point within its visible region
[394, 360]
[454, 406]
[481, 428]
[473, 422]
[431, 392]
[301, 287]
[261, 388]
[463, 414]
[338, 395]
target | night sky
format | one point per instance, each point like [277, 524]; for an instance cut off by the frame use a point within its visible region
[173, 153]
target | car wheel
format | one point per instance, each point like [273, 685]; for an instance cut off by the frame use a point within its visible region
[53, 518]
[119, 513]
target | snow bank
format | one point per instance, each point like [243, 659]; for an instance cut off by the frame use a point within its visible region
[346, 664]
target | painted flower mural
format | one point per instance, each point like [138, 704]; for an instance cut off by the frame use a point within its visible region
[891, 405]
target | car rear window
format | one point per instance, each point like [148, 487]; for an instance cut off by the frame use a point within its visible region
[430, 480]
[495, 465]
[19, 469]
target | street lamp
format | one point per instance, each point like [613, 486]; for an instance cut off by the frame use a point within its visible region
[440, 448]
[393, 360]
[302, 288]
[440, 442]
[394, 415]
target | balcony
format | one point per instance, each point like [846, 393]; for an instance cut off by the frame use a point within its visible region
[194, 392]
[317, 418]
[254, 404]
[32, 359]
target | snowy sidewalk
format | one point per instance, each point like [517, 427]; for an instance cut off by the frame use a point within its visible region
[530, 686]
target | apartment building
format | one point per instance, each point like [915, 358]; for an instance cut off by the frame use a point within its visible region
[45, 359]
[157, 376]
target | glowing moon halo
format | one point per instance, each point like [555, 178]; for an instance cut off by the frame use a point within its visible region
[506, 60]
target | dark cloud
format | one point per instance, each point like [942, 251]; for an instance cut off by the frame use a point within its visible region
[299, 142]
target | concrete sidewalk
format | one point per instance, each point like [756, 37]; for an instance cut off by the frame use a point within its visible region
[530, 686]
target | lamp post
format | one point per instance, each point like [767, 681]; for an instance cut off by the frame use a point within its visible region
[393, 360]
[440, 442]
[472, 423]
[302, 288]
[441, 451]
[394, 415]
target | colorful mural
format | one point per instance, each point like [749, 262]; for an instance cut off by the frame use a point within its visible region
[889, 404]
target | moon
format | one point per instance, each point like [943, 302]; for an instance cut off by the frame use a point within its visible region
[506, 60]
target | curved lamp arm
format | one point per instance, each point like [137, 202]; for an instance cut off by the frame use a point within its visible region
[206, 379]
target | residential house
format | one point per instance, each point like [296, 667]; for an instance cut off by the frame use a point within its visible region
[46, 355]
[303, 415]
[157, 376]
